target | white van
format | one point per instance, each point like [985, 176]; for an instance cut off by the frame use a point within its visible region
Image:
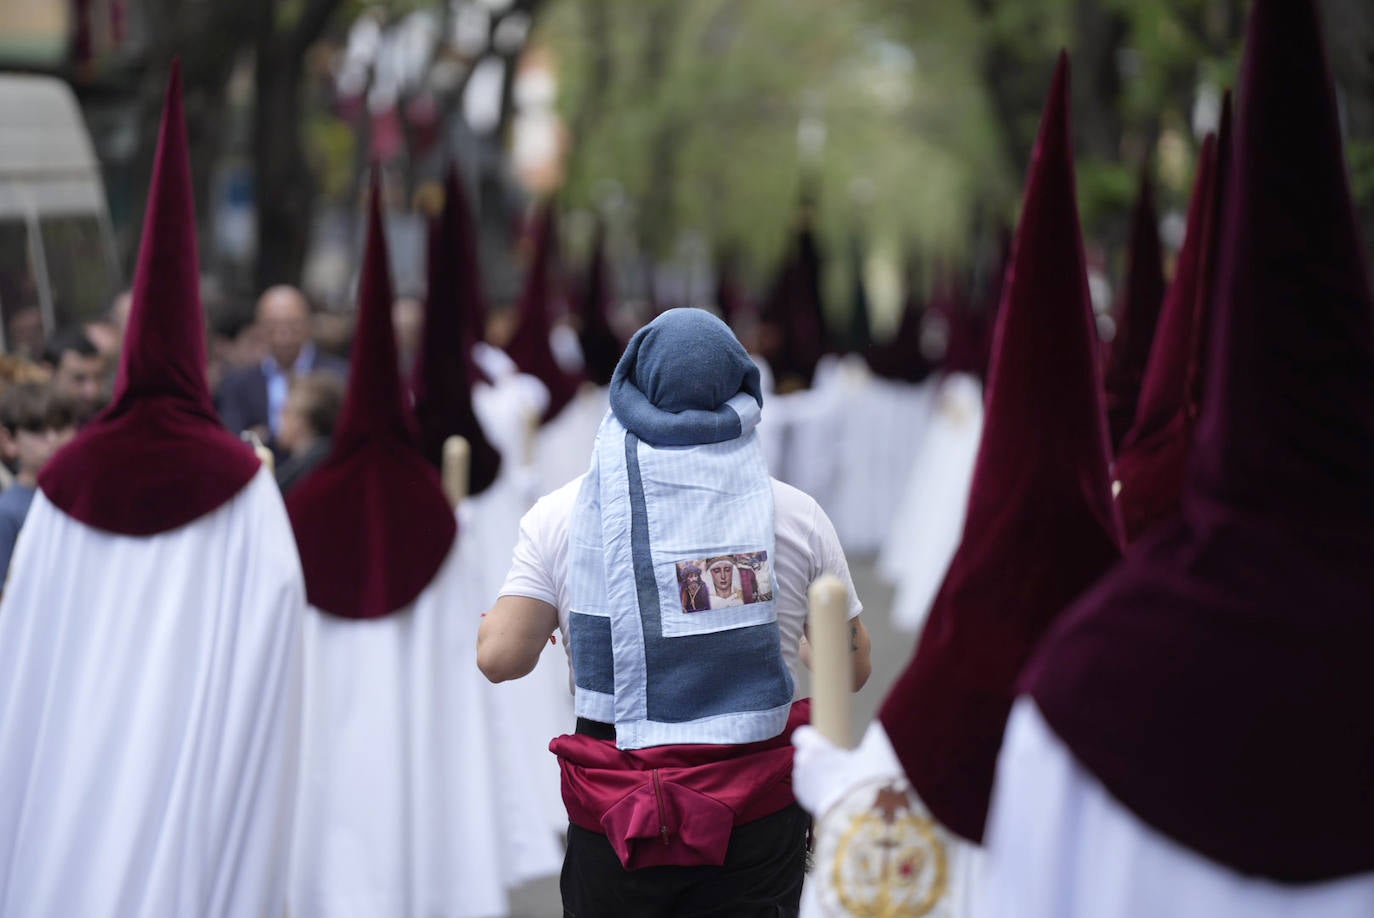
[58, 262]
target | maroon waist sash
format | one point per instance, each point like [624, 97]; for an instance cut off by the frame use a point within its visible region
[675, 805]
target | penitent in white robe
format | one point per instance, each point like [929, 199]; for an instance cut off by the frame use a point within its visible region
[929, 522]
[399, 805]
[527, 713]
[1059, 845]
[881, 430]
[149, 707]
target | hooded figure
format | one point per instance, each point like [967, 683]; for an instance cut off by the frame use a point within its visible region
[601, 347]
[1152, 456]
[676, 780]
[446, 372]
[150, 632]
[1040, 528]
[1195, 737]
[398, 805]
[530, 346]
[1137, 313]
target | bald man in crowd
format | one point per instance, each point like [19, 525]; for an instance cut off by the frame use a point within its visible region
[253, 398]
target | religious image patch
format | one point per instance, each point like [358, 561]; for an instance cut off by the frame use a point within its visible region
[723, 581]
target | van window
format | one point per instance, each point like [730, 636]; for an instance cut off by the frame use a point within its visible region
[78, 270]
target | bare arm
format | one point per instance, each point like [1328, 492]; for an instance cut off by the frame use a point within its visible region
[512, 636]
[860, 649]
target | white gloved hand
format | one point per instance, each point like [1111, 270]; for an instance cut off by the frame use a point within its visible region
[823, 773]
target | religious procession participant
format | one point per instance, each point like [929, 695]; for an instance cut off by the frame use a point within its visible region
[677, 779]
[450, 394]
[1150, 463]
[150, 632]
[396, 809]
[1195, 737]
[1041, 527]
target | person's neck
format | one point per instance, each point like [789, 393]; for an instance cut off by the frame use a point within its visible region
[27, 477]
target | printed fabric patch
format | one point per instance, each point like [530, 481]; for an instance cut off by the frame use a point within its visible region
[724, 581]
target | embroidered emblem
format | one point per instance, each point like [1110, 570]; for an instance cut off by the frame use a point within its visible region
[721, 581]
[880, 855]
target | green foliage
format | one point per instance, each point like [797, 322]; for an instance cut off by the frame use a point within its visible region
[717, 113]
[691, 110]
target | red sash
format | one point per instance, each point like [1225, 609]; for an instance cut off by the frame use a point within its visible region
[675, 805]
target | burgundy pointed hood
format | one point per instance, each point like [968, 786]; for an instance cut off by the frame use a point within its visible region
[1040, 526]
[529, 347]
[601, 346]
[471, 297]
[1137, 313]
[445, 369]
[158, 457]
[1218, 681]
[902, 357]
[372, 523]
[1151, 460]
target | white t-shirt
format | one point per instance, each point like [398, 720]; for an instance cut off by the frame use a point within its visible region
[805, 545]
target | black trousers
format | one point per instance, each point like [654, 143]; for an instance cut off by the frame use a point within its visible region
[761, 876]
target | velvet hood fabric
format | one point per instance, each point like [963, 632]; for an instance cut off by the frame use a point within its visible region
[902, 357]
[445, 369]
[529, 347]
[1218, 682]
[372, 522]
[1137, 314]
[1041, 526]
[158, 457]
[1152, 457]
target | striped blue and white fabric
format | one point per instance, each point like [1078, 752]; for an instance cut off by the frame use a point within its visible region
[673, 627]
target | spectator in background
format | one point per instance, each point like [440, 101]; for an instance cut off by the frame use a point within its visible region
[408, 319]
[24, 333]
[78, 371]
[107, 333]
[307, 425]
[253, 398]
[38, 420]
[13, 372]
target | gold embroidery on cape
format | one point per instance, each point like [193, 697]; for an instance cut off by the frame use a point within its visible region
[890, 863]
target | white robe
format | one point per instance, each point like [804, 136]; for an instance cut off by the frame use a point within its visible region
[929, 521]
[149, 709]
[527, 713]
[564, 446]
[399, 806]
[1060, 846]
[882, 427]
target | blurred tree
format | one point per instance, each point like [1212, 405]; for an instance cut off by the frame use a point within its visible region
[701, 118]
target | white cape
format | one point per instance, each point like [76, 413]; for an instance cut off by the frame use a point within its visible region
[929, 521]
[564, 448]
[881, 430]
[1060, 846]
[149, 707]
[400, 806]
[528, 713]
